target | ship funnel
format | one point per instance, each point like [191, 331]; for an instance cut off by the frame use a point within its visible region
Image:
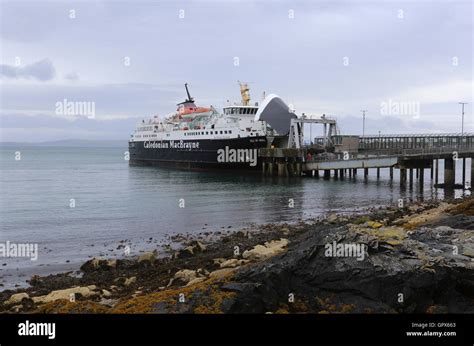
[244, 91]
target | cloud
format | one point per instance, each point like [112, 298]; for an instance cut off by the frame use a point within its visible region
[73, 76]
[42, 70]
[46, 127]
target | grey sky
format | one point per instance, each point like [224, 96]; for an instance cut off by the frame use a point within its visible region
[333, 57]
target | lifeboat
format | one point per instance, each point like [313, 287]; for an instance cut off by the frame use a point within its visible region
[192, 110]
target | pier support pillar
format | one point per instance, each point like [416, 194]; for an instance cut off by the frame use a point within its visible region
[282, 170]
[327, 174]
[417, 173]
[291, 169]
[316, 173]
[335, 173]
[432, 169]
[378, 173]
[271, 167]
[350, 173]
[410, 176]
[472, 173]
[354, 171]
[449, 172]
[463, 172]
[436, 171]
[341, 173]
[422, 178]
[366, 172]
[298, 169]
[391, 173]
[403, 176]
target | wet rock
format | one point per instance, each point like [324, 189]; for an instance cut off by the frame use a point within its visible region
[96, 264]
[239, 287]
[112, 263]
[419, 264]
[16, 298]
[221, 273]
[108, 302]
[374, 224]
[332, 218]
[187, 252]
[196, 280]
[130, 281]
[261, 252]
[233, 262]
[16, 308]
[147, 257]
[218, 261]
[87, 291]
[106, 293]
[198, 247]
[184, 276]
[194, 248]
[468, 250]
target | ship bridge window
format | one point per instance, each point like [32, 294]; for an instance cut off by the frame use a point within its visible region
[221, 132]
[207, 132]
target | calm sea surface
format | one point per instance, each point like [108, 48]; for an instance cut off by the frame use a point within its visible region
[115, 202]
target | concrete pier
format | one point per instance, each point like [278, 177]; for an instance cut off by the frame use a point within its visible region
[294, 162]
[464, 172]
[282, 170]
[472, 173]
[449, 172]
[403, 176]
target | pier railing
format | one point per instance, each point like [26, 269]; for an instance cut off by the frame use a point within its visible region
[398, 152]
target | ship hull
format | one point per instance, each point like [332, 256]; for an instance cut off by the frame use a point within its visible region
[206, 154]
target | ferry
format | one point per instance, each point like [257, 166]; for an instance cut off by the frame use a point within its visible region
[196, 137]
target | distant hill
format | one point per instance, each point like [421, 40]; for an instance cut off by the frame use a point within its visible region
[70, 143]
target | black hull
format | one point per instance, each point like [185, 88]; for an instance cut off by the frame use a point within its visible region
[197, 154]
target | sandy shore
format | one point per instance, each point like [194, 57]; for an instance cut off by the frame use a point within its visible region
[415, 259]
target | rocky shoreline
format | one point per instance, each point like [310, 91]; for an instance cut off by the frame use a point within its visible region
[415, 259]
